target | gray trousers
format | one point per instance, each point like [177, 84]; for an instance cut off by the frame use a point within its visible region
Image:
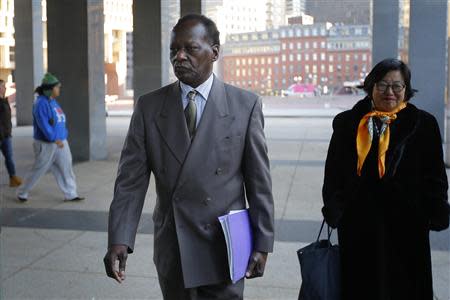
[48, 157]
[173, 289]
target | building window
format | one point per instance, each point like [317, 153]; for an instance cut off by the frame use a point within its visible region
[256, 61]
[314, 56]
[291, 46]
[299, 45]
[299, 57]
[238, 73]
[322, 45]
[249, 61]
[330, 58]
[315, 45]
[306, 56]
[356, 56]
[307, 69]
[347, 57]
[283, 46]
[283, 57]
[291, 57]
[364, 57]
[322, 68]
[330, 68]
[306, 45]
[322, 56]
[263, 61]
[276, 60]
[269, 60]
[314, 69]
[244, 72]
[238, 62]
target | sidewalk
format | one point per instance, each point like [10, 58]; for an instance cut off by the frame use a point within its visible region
[53, 250]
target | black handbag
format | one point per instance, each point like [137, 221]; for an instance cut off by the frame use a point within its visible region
[321, 269]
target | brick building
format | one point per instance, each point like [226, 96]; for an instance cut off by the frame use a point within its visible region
[270, 61]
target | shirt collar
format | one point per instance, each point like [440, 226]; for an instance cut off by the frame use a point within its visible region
[203, 89]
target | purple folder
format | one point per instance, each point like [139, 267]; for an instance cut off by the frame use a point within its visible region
[238, 236]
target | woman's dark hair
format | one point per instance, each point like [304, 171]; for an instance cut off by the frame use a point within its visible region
[381, 69]
[210, 26]
[44, 87]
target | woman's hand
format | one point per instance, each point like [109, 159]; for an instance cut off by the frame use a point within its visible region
[59, 143]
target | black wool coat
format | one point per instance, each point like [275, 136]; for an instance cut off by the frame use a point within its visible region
[383, 224]
[5, 119]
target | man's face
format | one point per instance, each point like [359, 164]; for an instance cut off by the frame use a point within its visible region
[191, 53]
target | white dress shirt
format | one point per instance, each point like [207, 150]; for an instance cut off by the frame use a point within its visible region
[200, 98]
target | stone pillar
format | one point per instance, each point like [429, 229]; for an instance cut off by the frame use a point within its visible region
[76, 57]
[146, 46]
[385, 23]
[190, 6]
[428, 56]
[29, 68]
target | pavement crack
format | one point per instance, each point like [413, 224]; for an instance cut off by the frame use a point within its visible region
[291, 184]
[27, 266]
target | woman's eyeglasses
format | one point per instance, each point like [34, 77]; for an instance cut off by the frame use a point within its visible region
[382, 86]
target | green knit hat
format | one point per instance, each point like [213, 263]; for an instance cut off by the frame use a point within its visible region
[49, 79]
[48, 83]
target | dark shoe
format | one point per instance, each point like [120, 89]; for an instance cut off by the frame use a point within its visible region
[22, 200]
[75, 199]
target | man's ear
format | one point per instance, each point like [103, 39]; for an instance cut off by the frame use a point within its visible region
[216, 50]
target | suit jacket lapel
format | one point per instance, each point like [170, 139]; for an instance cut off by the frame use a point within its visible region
[172, 124]
[213, 125]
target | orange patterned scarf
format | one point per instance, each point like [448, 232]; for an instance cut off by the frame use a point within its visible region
[365, 136]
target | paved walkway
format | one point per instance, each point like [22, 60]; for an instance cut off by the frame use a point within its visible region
[54, 250]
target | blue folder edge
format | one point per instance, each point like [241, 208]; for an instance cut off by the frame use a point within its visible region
[239, 241]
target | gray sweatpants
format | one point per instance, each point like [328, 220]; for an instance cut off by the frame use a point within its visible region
[48, 157]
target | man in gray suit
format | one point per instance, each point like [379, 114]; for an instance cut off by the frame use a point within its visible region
[204, 142]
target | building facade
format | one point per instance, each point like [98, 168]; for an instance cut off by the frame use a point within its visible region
[271, 61]
[6, 40]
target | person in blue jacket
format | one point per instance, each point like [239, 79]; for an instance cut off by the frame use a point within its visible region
[51, 150]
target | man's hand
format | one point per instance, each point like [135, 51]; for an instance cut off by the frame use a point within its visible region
[59, 143]
[256, 265]
[116, 253]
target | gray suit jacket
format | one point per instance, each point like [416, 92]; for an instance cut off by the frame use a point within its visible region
[225, 166]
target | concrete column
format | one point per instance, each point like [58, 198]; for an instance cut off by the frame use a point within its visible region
[385, 23]
[29, 68]
[76, 57]
[146, 46]
[428, 55]
[190, 6]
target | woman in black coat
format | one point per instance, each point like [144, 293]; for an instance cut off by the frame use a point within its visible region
[385, 188]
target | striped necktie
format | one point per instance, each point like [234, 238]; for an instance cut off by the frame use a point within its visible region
[190, 113]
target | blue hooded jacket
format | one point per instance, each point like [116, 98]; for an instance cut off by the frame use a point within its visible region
[49, 120]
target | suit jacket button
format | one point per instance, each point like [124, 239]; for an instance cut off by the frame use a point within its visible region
[219, 171]
[207, 200]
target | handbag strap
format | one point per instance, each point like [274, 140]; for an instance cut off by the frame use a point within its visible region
[329, 230]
